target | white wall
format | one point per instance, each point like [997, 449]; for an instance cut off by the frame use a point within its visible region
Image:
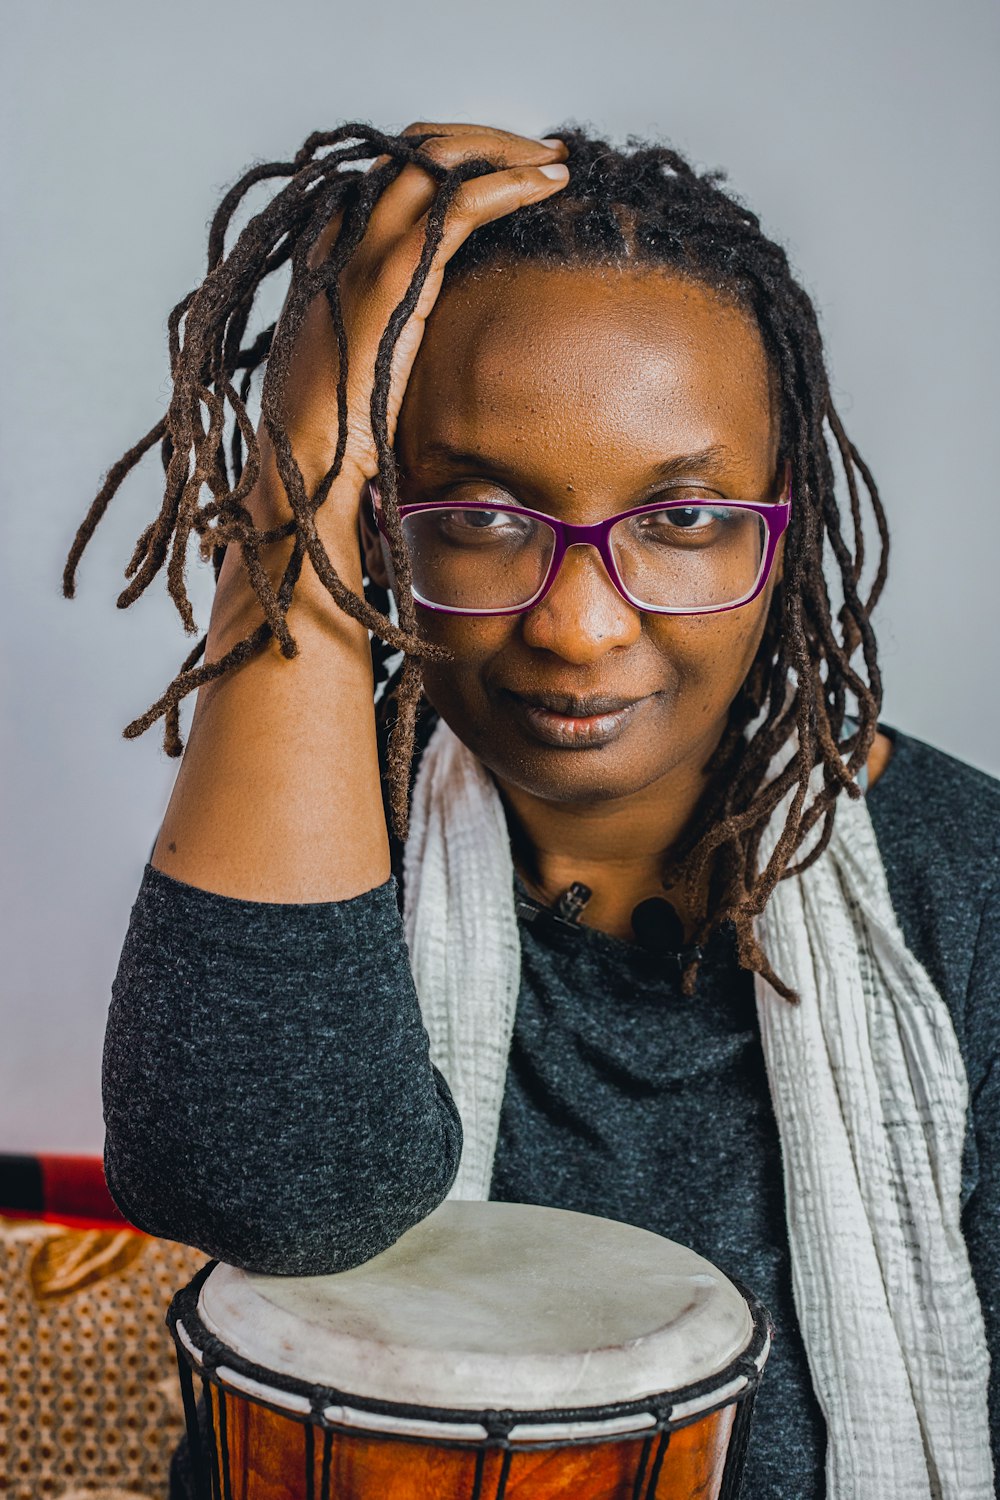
[865, 132]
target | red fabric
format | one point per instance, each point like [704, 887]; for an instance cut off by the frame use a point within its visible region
[74, 1187]
[67, 1190]
[69, 1221]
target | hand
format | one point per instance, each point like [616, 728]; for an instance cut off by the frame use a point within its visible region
[375, 280]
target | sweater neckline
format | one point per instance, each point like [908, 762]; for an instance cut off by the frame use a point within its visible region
[721, 946]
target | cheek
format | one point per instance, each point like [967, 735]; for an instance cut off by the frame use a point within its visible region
[470, 639]
[473, 644]
[700, 660]
[711, 654]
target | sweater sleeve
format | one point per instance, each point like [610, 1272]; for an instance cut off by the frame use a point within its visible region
[268, 1093]
[982, 1212]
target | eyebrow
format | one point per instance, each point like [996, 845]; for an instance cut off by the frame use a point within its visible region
[714, 460]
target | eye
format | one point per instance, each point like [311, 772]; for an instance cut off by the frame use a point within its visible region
[471, 525]
[478, 518]
[682, 518]
[690, 517]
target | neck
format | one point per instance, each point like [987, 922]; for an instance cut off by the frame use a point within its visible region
[618, 847]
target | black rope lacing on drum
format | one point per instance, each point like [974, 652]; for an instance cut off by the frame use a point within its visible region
[327, 1463]
[661, 1453]
[191, 1422]
[213, 1447]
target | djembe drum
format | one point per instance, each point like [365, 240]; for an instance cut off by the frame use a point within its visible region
[495, 1350]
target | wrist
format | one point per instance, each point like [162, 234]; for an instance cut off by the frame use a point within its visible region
[236, 608]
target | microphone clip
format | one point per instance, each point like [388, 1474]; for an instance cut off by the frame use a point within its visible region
[655, 923]
[564, 912]
[658, 928]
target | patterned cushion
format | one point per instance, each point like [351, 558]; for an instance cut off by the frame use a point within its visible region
[89, 1399]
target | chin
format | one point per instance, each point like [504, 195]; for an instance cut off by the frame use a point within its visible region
[591, 775]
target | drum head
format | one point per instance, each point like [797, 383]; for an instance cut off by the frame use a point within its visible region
[487, 1305]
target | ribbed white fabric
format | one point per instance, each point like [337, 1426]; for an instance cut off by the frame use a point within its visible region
[461, 930]
[870, 1096]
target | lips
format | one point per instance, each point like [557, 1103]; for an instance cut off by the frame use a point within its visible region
[569, 721]
[573, 706]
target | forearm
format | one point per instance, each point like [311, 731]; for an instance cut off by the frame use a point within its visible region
[278, 797]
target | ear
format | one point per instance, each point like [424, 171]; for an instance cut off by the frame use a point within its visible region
[371, 543]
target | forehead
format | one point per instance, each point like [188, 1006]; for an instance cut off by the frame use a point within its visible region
[588, 377]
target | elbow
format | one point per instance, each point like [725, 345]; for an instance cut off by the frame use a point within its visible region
[280, 1216]
[298, 1245]
[326, 1216]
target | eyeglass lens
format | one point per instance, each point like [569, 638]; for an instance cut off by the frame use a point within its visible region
[690, 557]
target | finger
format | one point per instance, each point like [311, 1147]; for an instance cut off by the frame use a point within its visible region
[480, 200]
[419, 189]
[450, 143]
[407, 199]
[477, 202]
[328, 236]
[325, 240]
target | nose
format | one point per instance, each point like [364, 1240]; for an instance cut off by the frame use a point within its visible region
[583, 616]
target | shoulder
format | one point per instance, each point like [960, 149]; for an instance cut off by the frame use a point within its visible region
[937, 823]
[934, 812]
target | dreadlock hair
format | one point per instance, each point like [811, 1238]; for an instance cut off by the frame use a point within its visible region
[644, 206]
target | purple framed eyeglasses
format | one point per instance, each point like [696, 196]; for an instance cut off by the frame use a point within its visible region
[690, 556]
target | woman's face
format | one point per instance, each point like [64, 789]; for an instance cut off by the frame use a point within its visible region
[571, 392]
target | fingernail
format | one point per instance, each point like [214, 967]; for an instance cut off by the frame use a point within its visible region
[553, 142]
[556, 171]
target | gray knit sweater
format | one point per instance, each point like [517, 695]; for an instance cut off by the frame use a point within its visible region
[269, 1097]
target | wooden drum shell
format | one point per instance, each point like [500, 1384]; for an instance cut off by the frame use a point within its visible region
[269, 1456]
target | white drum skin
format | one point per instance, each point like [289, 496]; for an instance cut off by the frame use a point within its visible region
[487, 1305]
[496, 1349]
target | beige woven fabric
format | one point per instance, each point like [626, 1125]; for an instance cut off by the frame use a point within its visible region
[89, 1396]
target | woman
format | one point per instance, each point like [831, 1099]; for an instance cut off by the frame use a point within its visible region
[621, 747]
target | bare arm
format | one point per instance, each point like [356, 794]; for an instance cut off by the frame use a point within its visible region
[278, 796]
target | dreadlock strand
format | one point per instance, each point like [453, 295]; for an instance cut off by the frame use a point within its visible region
[232, 200]
[172, 742]
[267, 596]
[847, 464]
[174, 321]
[434, 234]
[818, 848]
[882, 526]
[194, 677]
[401, 741]
[245, 479]
[116, 474]
[295, 491]
[852, 599]
[143, 570]
[184, 523]
[352, 228]
[294, 486]
[752, 956]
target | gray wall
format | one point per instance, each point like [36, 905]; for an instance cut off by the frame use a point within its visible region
[863, 131]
